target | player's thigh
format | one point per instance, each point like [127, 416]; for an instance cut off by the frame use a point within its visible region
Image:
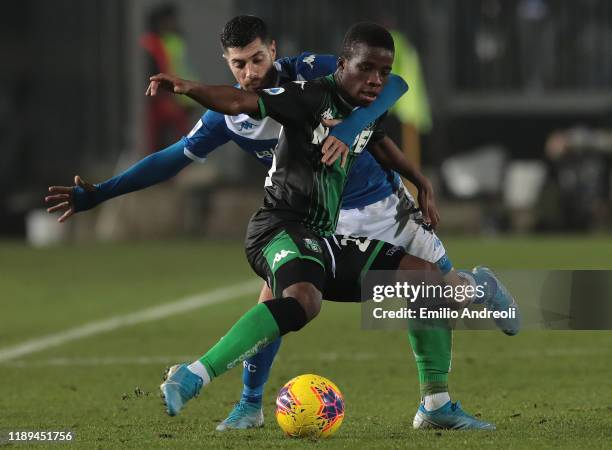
[354, 258]
[291, 255]
[396, 220]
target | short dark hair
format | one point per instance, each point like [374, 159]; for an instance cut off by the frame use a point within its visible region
[242, 30]
[368, 33]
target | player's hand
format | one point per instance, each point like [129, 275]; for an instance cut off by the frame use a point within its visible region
[427, 204]
[62, 198]
[333, 148]
[168, 83]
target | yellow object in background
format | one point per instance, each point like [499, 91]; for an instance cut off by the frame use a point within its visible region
[413, 107]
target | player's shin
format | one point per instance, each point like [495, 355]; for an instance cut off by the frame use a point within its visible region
[431, 342]
[260, 326]
[256, 372]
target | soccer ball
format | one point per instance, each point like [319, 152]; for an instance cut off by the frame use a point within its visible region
[309, 406]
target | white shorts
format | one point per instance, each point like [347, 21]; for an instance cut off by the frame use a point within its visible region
[396, 220]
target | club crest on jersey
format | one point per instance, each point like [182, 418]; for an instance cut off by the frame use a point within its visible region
[312, 245]
[274, 91]
[327, 114]
[246, 125]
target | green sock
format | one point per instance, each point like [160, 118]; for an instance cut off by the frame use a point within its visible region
[432, 342]
[253, 331]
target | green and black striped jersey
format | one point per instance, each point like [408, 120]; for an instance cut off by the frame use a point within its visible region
[299, 187]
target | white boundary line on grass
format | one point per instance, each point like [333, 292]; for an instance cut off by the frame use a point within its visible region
[289, 359]
[145, 315]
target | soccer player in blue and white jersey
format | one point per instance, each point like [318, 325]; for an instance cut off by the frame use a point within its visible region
[374, 204]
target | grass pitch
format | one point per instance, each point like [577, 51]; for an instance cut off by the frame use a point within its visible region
[542, 389]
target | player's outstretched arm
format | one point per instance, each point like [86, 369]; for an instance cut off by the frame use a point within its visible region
[223, 99]
[153, 169]
[391, 157]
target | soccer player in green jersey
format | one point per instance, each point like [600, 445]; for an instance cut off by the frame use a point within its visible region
[290, 241]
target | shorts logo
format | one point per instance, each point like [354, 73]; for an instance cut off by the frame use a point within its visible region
[312, 245]
[280, 255]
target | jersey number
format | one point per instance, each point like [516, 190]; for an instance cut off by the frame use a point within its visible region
[361, 243]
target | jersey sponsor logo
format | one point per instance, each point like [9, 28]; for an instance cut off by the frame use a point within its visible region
[246, 125]
[362, 140]
[312, 245]
[310, 59]
[301, 83]
[279, 256]
[274, 91]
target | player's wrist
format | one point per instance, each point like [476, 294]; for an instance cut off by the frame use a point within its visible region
[421, 182]
[189, 88]
[84, 199]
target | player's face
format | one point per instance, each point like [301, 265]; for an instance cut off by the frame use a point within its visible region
[252, 65]
[364, 74]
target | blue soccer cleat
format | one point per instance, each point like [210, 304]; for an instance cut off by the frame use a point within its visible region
[180, 385]
[448, 417]
[500, 300]
[244, 415]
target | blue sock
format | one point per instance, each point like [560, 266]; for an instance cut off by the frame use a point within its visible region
[256, 372]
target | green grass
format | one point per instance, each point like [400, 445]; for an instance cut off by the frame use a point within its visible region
[541, 388]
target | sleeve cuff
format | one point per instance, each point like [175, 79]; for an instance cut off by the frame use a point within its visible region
[192, 156]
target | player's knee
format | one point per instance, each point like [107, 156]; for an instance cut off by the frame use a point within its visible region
[265, 294]
[308, 296]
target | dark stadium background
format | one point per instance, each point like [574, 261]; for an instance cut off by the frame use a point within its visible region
[500, 75]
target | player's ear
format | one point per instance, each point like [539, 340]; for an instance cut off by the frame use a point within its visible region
[341, 63]
[272, 48]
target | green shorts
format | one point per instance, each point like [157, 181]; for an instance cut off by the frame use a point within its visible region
[336, 265]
